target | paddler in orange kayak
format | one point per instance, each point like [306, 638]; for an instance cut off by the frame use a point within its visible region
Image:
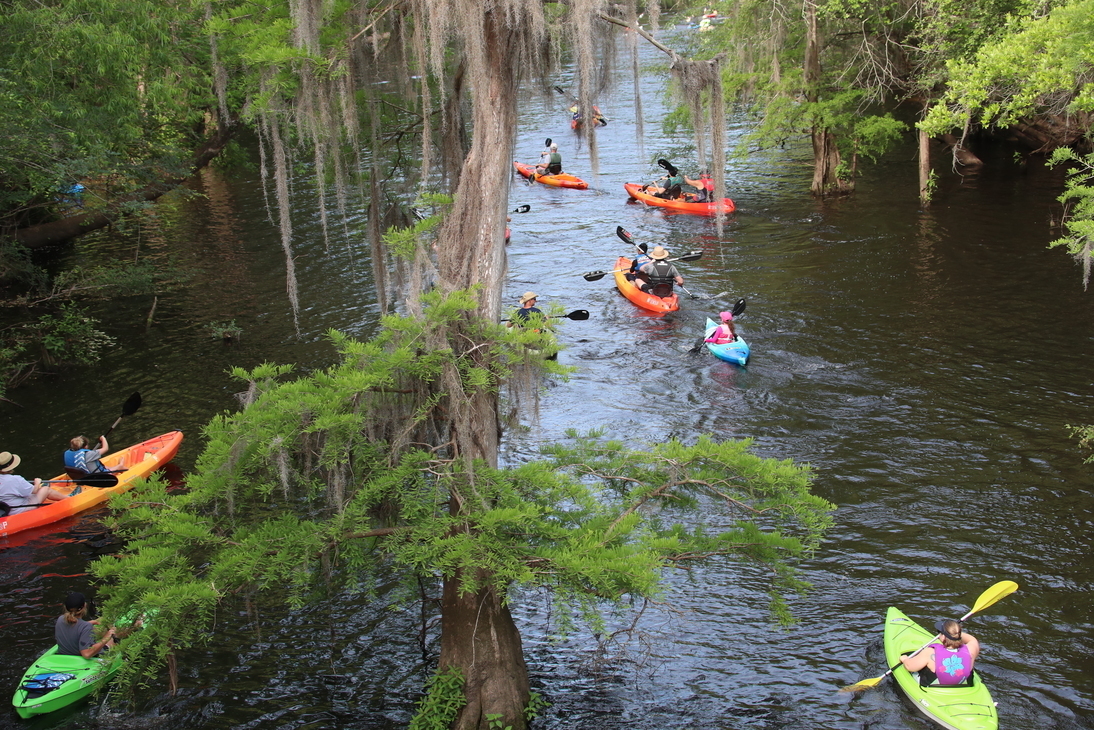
[659, 274]
[16, 493]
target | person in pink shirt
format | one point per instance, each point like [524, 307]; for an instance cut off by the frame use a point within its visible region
[724, 333]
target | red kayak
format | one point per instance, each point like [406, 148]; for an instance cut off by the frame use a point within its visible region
[643, 299]
[681, 205]
[128, 464]
[559, 181]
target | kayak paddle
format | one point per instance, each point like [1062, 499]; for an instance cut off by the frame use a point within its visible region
[668, 166]
[522, 209]
[1000, 590]
[622, 233]
[738, 308]
[578, 315]
[597, 275]
[132, 403]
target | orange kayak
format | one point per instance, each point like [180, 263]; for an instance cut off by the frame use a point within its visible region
[138, 461]
[643, 299]
[559, 181]
[681, 205]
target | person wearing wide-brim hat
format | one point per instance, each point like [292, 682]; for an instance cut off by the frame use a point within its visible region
[16, 493]
[527, 309]
[659, 274]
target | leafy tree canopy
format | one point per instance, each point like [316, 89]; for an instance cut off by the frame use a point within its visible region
[302, 491]
[1038, 65]
[96, 89]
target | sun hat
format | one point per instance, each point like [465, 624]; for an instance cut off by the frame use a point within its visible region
[528, 296]
[8, 461]
[659, 253]
[75, 600]
[727, 316]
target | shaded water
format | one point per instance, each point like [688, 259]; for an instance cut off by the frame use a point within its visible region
[925, 362]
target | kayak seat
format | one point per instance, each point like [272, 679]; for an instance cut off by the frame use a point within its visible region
[927, 678]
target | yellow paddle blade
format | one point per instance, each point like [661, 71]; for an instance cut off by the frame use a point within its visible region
[864, 684]
[1002, 589]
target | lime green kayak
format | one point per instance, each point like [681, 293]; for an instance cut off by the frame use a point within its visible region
[57, 680]
[961, 707]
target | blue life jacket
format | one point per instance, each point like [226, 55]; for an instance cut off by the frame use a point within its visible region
[77, 459]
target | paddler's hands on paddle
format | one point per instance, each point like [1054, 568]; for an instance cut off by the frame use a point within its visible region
[1000, 590]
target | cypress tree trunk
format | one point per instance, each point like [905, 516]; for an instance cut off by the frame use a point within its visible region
[924, 168]
[826, 157]
[478, 636]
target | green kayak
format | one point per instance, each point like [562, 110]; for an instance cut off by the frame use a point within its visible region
[959, 707]
[57, 680]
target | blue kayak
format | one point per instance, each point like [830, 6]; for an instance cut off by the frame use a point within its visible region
[735, 352]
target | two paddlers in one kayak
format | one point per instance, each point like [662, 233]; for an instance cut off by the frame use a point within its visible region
[653, 274]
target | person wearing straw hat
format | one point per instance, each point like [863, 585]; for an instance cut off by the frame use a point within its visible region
[16, 493]
[660, 274]
[527, 309]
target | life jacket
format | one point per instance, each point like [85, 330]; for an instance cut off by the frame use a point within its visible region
[721, 336]
[78, 460]
[662, 275]
[554, 164]
[952, 666]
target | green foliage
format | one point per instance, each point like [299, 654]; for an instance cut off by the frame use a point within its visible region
[404, 242]
[443, 701]
[1085, 436]
[224, 330]
[1078, 200]
[68, 336]
[536, 705]
[324, 478]
[96, 91]
[1036, 64]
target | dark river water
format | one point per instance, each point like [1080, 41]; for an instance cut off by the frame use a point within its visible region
[925, 362]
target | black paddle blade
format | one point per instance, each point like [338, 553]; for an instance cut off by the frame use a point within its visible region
[619, 231]
[594, 275]
[669, 167]
[131, 404]
[547, 142]
[559, 90]
[578, 315]
[522, 209]
[739, 307]
[692, 256]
